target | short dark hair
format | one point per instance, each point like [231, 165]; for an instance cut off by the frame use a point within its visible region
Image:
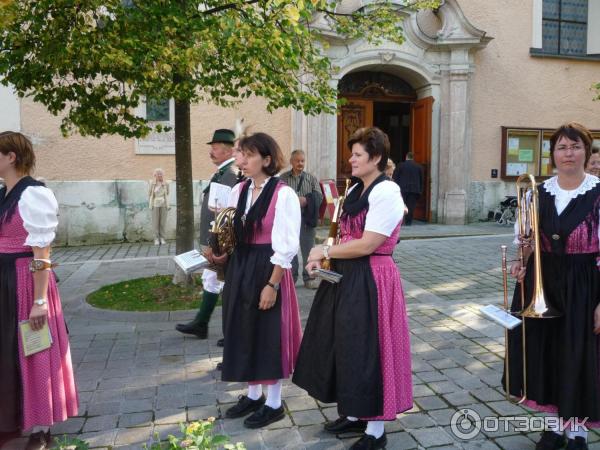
[572, 131]
[18, 144]
[265, 145]
[375, 142]
[595, 150]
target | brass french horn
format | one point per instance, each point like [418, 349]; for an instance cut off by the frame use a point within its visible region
[221, 238]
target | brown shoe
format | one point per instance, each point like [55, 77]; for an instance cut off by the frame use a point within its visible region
[39, 441]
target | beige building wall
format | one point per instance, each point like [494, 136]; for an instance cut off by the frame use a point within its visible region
[114, 158]
[513, 88]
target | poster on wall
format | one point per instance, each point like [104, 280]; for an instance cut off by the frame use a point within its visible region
[526, 155]
[516, 169]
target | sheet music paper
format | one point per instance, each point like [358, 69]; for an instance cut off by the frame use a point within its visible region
[500, 316]
[191, 261]
[218, 195]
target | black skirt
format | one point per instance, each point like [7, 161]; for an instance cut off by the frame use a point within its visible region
[10, 387]
[562, 353]
[339, 356]
[253, 336]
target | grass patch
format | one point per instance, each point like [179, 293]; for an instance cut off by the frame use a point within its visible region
[156, 293]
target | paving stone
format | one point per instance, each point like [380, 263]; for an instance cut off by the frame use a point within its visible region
[130, 406]
[459, 398]
[432, 402]
[442, 417]
[135, 419]
[308, 417]
[418, 420]
[400, 441]
[101, 423]
[330, 414]
[102, 409]
[170, 416]
[518, 442]
[282, 438]
[133, 435]
[431, 437]
[300, 403]
[71, 426]
[203, 412]
[506, 408]
[99, 438]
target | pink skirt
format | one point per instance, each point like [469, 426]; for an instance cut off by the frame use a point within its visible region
[48, 384]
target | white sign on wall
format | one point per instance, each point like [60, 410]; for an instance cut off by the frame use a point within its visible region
[157, 143]
[10, 112]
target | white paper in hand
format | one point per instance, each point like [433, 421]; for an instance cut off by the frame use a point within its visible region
[218, 196]
[191, 261]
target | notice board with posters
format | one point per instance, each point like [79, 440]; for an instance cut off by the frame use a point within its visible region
[330, 198]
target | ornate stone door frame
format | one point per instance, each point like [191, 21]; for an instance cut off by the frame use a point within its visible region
[437, 62]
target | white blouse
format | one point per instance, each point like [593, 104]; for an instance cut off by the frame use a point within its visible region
[562, 197]
[386, 208]
[285, 235]
[39, 210]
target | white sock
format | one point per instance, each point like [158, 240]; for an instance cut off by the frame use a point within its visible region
[38, 429]
[375, 428]
[352, 419]
[254, 391]
[274, 395]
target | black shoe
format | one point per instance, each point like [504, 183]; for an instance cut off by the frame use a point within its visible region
[550, 441]
[244, 406]
[221, 342]
[264, 416]
[368, 442]
[343, 425]
[578, 443]
[39, 441]
[220, 366]
[198, 330]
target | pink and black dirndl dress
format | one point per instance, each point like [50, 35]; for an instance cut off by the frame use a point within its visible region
[262, 345]
[356, 346]
[38, 390]
[563, 354]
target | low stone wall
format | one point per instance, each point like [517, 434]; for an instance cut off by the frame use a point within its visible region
[99, 212]
[485, 196]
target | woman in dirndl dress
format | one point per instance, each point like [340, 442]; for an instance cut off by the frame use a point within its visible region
[36, 391]
[261, 319]
[563, 353]
[356, 348]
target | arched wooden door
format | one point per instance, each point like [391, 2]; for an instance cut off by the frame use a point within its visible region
[420, 145]
[354, 115]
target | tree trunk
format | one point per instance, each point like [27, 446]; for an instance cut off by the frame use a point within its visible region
[184, 185]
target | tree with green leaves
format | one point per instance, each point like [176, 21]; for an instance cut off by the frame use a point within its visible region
[93, 61]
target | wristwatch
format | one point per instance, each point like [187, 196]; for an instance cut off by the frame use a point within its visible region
[40, 264]
[274, 286]
[326, 251]
[40, 301]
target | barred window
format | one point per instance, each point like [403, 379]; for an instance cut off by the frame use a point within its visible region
[565, 27]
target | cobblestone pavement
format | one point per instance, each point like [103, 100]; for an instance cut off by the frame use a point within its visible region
[137, 376]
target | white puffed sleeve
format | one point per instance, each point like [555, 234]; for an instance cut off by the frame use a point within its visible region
[39, 210]
[386, 208]
[234, 195]
[285, 236]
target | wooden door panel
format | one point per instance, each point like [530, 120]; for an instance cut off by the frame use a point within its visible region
[420, 145]
[353, 115]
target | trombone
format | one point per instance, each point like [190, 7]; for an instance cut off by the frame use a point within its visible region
[529, 237]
